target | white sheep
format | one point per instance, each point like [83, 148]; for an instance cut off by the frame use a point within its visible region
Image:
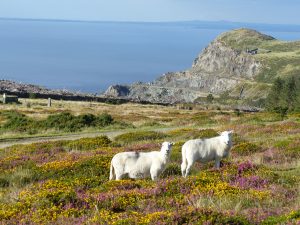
[205, 150]
[140, 164]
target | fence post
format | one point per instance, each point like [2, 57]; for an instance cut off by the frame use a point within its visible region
[4, 98]
[49, 102]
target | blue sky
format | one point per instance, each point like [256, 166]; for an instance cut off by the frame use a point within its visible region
[257, 11]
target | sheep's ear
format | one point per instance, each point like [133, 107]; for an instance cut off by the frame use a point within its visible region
[172, 143]
[230, 132]
[219, 133]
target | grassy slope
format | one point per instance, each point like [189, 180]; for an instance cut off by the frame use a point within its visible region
[283, 60]
[38, 110]
[66, 182]
[134, 115]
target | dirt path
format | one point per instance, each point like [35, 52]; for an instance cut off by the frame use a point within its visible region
[29, 140]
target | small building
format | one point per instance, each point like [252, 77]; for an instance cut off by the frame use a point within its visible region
[252, 51]
[8, 98]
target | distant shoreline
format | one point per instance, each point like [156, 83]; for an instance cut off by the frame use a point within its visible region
[23, 90]
[200, 23]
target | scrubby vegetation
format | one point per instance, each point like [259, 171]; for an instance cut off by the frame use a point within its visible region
[246, 148]
[89, 143]
[192, 133]
[284, 96]
[65, 121]
[66, 182]
[139, 136]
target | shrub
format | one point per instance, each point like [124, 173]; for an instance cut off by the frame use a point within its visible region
[89, 143]
[139, 136]
[246, 148]
[207, 133]
[182, 132]
[284, 96]
[193, 133]
[17, 122]
[68, 122]
[209, 98]
[86, 120]
[95, 166]
[173, 169]
[104, 120]
[62, 121]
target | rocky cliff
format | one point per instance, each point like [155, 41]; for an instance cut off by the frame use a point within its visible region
[18, 87]
[234, 62]
[23, 90]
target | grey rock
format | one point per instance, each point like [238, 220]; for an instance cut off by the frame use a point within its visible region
[218, 68]
[117, 91]
[21, 88]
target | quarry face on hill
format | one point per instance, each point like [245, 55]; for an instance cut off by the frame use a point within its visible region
[233, 62]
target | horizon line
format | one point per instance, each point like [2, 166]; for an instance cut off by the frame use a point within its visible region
[149, 22]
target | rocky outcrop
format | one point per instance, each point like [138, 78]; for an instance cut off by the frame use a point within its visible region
[114, 93]
[15, 87]
[117, 91]
[29, 90]
[220, 59]
[218, 68]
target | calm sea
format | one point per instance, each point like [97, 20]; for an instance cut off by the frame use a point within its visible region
[89, 56]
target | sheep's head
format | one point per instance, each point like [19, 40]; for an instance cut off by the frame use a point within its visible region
[166, 147]
[227, 136]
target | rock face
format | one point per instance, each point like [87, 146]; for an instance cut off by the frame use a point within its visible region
[34, 91]
[14, 87]
[217, 69]
[227, 62]
[28, 90]
[117, 91]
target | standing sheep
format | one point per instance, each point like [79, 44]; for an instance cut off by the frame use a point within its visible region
[205, 150]
[140, 164]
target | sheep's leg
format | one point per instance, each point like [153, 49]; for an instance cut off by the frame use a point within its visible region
[154, 177]
[154, 173]
[187, 171]
[119, 176]
[217, 163]
[183, 168]
[184, 161]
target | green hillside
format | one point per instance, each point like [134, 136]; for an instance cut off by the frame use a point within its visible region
[279, 58]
